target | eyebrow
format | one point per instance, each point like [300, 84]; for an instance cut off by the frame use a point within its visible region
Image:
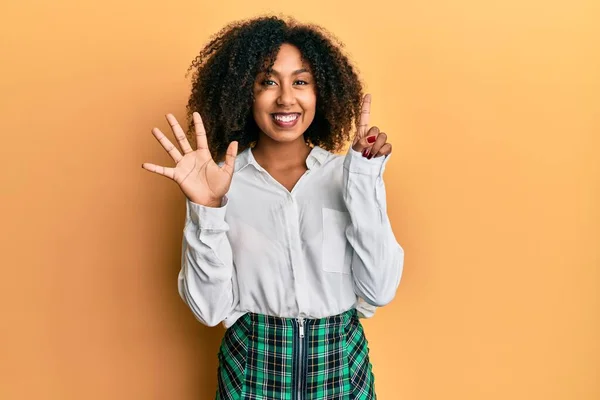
[296, 72]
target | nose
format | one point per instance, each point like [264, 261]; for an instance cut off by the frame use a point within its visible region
[286, 96]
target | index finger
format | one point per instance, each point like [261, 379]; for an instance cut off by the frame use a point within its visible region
[365, 114]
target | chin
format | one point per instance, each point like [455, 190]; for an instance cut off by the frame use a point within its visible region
[285, 137]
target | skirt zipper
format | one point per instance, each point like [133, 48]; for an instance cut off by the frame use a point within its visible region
[300, 363]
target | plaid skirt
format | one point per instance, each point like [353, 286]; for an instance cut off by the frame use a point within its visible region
[265, 357]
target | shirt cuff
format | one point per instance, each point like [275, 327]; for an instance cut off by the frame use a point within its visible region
[207, 217]
[354, 162]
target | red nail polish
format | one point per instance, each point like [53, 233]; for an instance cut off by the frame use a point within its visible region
[371, 139]
[365, 152]
[370, 156]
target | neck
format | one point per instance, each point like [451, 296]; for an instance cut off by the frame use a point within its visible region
[271, 154]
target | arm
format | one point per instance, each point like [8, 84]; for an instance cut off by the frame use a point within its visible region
[207, 281]
[377, 259]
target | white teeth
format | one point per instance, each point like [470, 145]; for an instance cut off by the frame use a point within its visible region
[286, 118]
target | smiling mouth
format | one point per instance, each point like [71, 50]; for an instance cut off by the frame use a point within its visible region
[285, 118]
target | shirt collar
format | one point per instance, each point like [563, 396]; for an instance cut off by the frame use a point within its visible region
[316, 157]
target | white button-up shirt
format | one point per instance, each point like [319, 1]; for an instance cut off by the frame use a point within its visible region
[323, 248]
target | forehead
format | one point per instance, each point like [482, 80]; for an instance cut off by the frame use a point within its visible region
[289, 59]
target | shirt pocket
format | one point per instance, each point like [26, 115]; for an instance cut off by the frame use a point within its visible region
[336, 252]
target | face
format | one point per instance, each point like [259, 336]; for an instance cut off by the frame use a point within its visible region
[285, 101]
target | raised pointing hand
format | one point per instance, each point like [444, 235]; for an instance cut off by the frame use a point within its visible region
[196, 173]
[371, 142]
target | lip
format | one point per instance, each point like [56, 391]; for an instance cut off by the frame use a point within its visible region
[282, 124]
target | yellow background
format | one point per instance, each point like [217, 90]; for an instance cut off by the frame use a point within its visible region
[493, 191]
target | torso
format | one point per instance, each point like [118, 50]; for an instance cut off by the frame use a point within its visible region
[288, 178]
[277, 239]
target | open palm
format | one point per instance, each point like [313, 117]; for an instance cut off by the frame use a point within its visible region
[196, 173]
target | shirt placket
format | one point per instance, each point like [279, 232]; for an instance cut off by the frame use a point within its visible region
[295, 252]
[293, 240]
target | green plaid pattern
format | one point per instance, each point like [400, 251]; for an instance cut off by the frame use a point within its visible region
[259, 359]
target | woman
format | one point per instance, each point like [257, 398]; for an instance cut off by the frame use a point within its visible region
[285, 243]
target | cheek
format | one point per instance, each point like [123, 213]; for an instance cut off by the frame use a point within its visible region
[259, 106]
[310, 103]
[310, 106]
[260, 112]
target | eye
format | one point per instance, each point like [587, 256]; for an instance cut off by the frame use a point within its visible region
[301, 82]
[268, 82]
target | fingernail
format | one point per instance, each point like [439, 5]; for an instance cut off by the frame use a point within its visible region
[371, 139]
[370, 156]
[365, 152]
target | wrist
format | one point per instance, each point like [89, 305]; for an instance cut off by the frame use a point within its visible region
[213, 203]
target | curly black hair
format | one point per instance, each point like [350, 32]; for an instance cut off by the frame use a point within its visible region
[226, 68]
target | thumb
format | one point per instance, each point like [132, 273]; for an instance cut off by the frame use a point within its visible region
[230, 156]
[365, 142]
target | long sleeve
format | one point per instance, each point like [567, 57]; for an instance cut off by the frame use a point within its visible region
[207, 280]
[378, 259]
